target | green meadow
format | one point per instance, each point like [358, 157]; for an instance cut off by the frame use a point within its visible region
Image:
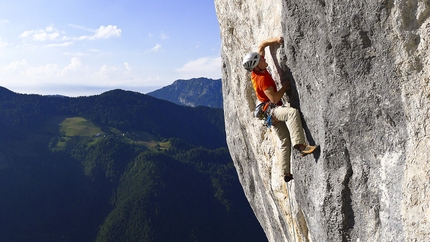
[78, 126]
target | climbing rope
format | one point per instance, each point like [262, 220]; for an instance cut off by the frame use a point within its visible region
[291, 211]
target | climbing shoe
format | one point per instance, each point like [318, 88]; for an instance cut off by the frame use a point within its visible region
[288, 177]
[309, 149]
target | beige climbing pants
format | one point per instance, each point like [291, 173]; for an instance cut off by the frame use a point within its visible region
[289, 132]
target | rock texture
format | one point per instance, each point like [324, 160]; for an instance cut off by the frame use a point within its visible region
[360, 75]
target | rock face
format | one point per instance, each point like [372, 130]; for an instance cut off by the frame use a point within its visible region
[360, 77]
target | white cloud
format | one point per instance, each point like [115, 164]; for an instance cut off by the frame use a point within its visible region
[102, 33]
[127, 67]
[156, 48]
[3, 43]
[74, 76]
[48, 34]
[4, 21]
[164, 36]
[14, 66]
[107, 32]
[116, 77]
[65, 44]
[106, 72]
[75, 54]
[203, 67]
[75, 64]
[80, 27]
[46, 71]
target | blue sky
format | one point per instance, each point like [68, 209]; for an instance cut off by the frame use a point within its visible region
[86, 47]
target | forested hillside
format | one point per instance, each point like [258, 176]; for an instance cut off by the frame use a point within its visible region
[120, 166]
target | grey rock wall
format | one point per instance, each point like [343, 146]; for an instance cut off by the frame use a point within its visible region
[360, 74]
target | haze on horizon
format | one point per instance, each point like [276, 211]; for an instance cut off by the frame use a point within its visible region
[80, 48]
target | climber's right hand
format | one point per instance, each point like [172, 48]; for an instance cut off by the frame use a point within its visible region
[286, 85]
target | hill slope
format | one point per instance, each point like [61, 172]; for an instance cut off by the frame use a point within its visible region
[105, 168]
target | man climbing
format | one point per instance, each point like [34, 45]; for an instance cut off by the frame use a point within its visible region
[290, 130]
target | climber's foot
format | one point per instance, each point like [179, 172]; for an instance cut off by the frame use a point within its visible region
[288, 177]
[306, 149]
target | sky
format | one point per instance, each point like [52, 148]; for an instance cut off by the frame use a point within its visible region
[86, 47]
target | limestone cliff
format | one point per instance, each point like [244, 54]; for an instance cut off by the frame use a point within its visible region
[360, 74]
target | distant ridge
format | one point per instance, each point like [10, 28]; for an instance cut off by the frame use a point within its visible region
[4, 92]
[194, 92]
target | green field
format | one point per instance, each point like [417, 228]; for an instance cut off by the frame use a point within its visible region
[78, 126]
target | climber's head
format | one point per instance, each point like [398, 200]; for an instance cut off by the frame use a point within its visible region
[255, 61]
[251, 60]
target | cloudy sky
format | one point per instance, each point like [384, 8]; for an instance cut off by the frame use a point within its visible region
[86, 47]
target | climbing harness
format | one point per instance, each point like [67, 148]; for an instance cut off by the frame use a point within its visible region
[291, 211]
[264, 111]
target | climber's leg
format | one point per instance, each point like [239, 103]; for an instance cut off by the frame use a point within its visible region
[292, 117]
[285, 149]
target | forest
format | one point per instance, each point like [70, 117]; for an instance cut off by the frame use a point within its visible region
[119, 166]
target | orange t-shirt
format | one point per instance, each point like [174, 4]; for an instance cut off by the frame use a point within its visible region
[261, 82]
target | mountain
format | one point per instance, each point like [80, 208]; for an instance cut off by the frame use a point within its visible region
[120, 166]
[193, 92]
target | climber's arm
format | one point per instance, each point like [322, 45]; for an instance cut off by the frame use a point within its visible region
[268, 42]
[273, 96]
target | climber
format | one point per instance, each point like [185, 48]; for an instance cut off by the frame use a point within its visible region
[287, 122]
